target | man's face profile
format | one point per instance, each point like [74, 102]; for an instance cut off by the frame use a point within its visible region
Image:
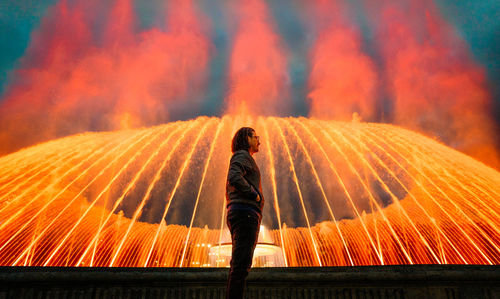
[254, 143]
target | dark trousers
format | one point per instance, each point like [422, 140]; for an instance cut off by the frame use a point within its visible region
[244, 227]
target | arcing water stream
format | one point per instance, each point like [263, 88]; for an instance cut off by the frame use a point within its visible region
[337, 193]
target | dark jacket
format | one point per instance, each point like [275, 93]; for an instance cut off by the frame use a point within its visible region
[243, 181]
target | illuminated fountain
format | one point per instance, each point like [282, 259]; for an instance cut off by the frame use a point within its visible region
[266, 254]
[337, 193]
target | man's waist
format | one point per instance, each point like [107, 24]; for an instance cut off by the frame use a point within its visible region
[243, 207]
[243, 202]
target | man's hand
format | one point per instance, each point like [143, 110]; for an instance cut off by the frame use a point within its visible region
[258, 198]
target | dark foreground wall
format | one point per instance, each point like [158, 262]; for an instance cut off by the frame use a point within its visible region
[421, 281]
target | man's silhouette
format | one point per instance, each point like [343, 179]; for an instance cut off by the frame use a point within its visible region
[244, 208]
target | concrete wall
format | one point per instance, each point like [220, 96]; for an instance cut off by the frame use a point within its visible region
[420, 281]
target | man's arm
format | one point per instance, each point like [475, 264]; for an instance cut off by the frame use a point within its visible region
[235, 176]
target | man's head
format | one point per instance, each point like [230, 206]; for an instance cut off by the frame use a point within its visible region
[245, 139]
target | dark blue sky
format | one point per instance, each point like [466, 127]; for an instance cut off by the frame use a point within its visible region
[477, 22]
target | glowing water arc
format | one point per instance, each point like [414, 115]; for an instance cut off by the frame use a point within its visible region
[337, 193]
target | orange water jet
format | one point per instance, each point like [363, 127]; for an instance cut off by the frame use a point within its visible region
[340, 193]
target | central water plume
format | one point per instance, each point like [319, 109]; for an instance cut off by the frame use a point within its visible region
[257, 71]
[337, 193]
[342, 79]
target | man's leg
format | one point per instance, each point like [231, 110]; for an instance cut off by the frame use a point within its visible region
[244, 227]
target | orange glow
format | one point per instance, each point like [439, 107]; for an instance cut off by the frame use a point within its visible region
[75, 80]
[258, 71]
[90, 66]
[339, 193]
[342, 79]
[436, 85]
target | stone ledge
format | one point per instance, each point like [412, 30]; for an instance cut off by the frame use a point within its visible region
[417, 281]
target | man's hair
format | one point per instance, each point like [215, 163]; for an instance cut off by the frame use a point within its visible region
[240, 140]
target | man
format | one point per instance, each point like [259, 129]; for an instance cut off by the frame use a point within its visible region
[244, 208]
